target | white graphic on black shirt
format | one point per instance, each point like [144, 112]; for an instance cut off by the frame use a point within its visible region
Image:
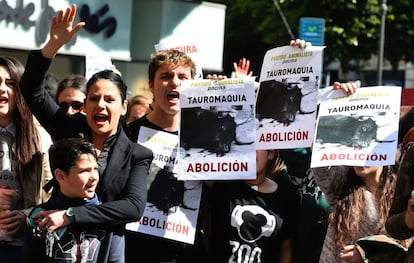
[252, 222]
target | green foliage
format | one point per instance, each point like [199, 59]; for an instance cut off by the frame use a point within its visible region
[352, 29]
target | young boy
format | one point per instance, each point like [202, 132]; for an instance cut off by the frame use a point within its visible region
[74, 165]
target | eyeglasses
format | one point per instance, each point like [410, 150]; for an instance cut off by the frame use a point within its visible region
[76, 105]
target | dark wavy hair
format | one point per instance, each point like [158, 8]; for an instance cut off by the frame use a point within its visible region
[28, 146]
[350, 206]
[64, 153]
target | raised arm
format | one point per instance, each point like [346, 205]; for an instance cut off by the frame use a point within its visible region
[61, 31]
[242, 69]
[41, 104]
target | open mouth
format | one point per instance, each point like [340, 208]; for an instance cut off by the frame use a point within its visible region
[100, 118]
[173, 96]
[90, 187]
[4, 100]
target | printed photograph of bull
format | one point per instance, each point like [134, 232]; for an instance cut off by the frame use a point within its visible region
[280, 101]
[214, 131]
[350, 131]
[166, 193]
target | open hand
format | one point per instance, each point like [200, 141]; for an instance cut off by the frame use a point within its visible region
[241, 69]
[61, 31]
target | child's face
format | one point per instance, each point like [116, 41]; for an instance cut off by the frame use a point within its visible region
[82, 178]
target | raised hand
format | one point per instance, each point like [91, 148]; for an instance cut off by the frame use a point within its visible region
[300, 43]
[61, 31]
[348, 87]
[242, 68]
[216, 77]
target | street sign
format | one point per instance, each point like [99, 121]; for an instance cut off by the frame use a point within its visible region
[312, 29]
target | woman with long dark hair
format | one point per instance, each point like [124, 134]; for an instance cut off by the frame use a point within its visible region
[361, 197]
[20, 160]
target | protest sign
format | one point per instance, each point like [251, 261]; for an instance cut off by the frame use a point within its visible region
[287, 97]
[360, 129]
[97, 61]
[191, 48]
[217, 130]
[172, 206]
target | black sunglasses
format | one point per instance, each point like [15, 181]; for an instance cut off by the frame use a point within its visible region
[76, 105]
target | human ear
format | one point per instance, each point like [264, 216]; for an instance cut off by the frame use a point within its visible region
[59, 175]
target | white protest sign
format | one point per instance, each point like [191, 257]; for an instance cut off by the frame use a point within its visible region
[217, 130]
[360, 129]
[97, 61]
[189, 47]
[172, 206]
[287, 97]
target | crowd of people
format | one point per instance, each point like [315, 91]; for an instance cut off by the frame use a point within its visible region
[74, 176]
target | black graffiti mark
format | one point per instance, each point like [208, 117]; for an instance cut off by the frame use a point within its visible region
[19, 15]
[92, 21]
[44, 22]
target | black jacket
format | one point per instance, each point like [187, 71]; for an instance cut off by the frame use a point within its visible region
[122, 189]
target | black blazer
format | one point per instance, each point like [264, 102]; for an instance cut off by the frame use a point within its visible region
[122, 189]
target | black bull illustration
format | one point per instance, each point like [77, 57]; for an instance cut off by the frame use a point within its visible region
[279, 100]
[166, 192]
[347, 130]
[210, 130]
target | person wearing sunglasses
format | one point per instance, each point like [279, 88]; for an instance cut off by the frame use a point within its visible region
[70, 94]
